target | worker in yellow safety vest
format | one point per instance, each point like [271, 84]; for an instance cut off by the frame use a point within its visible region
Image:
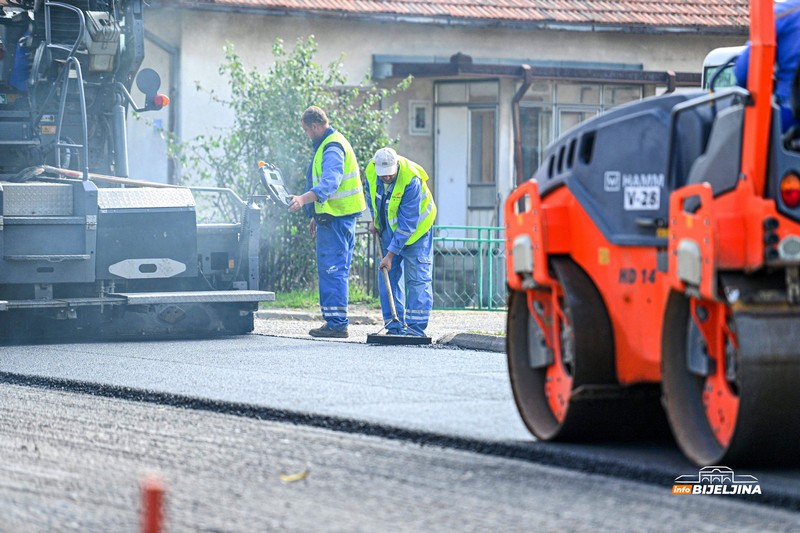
[403, 212]
[333, 186]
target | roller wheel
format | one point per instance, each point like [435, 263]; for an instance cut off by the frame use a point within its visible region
[730, 383]
[548, 383]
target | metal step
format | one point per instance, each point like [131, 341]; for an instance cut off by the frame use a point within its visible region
[147, 298]
[143, 298]
[48, 258]
[6, 305]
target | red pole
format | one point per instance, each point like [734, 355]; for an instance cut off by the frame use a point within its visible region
[152, 505]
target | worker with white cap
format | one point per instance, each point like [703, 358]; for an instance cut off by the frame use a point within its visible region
[403, 212]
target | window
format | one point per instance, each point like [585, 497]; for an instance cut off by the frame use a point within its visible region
[614, 95]
[484, 92]
[482, 158]
[451, 93]
[466, 150]
[536, 131]
[550, 108]
[419, 117]
[574, 93]
[541, 91]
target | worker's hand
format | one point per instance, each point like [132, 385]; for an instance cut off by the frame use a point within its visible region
[372, 228]
[297, 202]
[386, 262]
[312, 228]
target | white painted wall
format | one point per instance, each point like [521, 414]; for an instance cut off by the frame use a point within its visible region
[147, 147]
[200, 36]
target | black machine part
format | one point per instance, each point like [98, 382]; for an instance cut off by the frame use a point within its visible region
[272, 181]
[386, 338]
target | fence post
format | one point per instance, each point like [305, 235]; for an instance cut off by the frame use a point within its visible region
[490, 257]
[480, 268]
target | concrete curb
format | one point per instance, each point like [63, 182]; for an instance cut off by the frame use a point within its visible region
[284, 314]
[474, 341]
[466, 341]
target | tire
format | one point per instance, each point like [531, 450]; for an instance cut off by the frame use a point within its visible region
[739, 410]
[587, 403]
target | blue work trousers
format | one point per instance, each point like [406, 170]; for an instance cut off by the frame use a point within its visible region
[336, 241]
[412, 285]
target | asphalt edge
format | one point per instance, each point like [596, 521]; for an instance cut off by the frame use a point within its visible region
[465, 341]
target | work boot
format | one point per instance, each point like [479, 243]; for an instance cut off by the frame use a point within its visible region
[328, 332]
[414, 332]
[401, 331]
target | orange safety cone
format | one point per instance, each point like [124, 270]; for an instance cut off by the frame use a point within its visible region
[152, 505]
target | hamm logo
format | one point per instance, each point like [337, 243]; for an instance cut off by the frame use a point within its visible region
[612, 181]
[716, 480]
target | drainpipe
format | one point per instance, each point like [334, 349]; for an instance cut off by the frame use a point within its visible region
[174, 127]
[527, 81]
[671, 81]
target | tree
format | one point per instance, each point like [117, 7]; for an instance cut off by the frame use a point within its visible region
[267, 109]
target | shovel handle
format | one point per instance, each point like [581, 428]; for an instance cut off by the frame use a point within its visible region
[389, 292]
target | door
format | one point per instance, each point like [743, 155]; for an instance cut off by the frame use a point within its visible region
[452, 159]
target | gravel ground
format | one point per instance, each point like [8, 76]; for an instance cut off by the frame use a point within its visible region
[363, 321]
[73, 463]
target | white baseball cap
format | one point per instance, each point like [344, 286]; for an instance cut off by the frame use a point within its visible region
[385, 162]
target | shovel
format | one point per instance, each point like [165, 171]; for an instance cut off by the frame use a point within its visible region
[381, 338]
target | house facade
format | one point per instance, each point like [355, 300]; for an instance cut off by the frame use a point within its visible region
[458, 118]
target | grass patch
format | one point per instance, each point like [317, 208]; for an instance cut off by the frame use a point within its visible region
[310, 299]
[492, 333]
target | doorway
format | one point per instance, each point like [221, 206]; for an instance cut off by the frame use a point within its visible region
[466, 152]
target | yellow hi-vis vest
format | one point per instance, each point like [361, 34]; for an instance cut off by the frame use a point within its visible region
[407, 170]
[349, 197]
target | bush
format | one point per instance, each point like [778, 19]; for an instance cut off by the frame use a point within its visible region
[267, 108]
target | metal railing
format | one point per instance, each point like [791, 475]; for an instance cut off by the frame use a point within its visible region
[364, 267]
[469, 267]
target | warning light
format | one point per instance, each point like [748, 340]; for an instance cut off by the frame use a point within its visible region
[790, 190]
[262, 164]
[161, 100]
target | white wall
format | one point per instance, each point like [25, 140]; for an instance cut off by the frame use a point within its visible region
[201, 36]
[147, 148]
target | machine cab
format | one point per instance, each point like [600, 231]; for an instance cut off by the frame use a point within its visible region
[720, 59]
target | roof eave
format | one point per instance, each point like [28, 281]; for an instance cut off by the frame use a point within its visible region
[447, 21]
[583, 75]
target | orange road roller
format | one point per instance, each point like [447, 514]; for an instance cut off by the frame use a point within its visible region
[653, 267]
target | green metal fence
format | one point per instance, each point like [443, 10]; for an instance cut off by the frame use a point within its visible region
[367, 256]
[469, 267]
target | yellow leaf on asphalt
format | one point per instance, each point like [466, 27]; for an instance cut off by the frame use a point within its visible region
[290, 478]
